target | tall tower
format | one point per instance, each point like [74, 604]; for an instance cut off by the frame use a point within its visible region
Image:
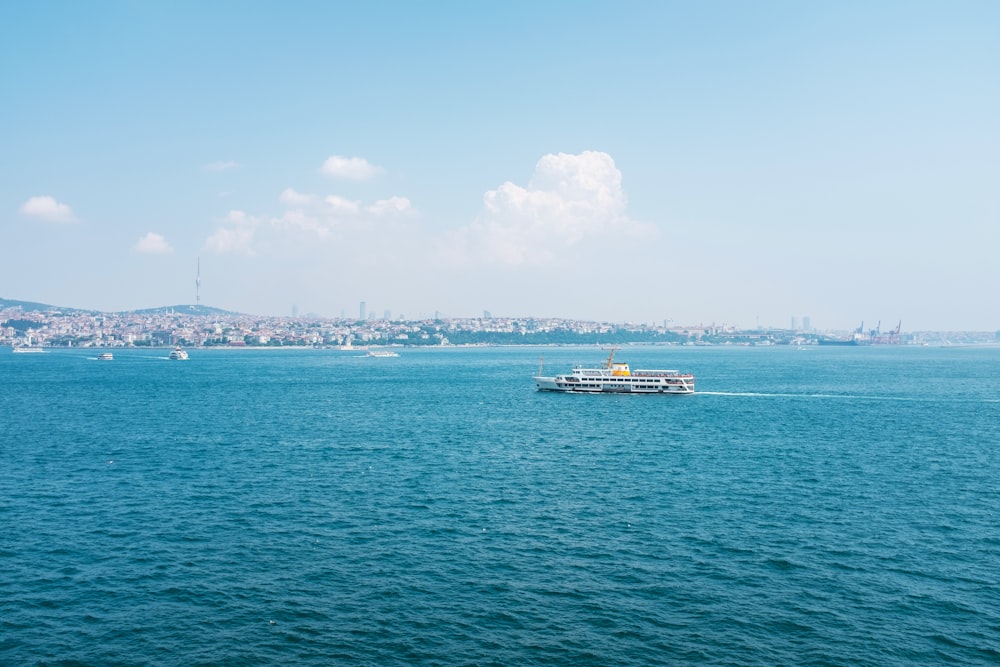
[197, 285]
[363, 311]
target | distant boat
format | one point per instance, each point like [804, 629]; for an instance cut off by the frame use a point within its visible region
[178, 354]
[861, 337]
[382, 353]
[615, 377]
[841, 341]
[105, 356]
[28, 349]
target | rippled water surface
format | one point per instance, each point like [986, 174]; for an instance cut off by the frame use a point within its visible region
[818, 506]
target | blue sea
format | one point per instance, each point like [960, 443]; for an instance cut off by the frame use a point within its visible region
[816, 506]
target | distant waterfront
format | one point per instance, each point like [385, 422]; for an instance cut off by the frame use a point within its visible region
[167, 327]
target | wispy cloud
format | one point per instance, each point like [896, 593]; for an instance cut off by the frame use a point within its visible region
[306, 219]
[235, 236]
[292, 198]
[220, 165]
[569, 199]
[390, 206]
[153, 244]
[349, 168]
[47, 208]
[341, 206]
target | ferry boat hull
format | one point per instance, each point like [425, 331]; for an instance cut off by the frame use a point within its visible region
[569, 383]
[617, 378]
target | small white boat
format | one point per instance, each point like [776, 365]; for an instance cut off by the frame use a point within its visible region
[615, 377]
[178, 354]
[382, 353]
[26, 349]
[105, 356]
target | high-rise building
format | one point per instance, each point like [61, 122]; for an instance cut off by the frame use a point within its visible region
[795, 323]
[806, 323]
[363, 311]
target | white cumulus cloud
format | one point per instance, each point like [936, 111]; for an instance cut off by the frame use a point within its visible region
[349, 168]
[153, 244]
[47, 208]
[569, 199]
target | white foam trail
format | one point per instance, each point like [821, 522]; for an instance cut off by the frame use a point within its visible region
[852, 397]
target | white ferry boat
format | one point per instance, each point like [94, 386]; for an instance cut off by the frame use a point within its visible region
[382, 353]
[28, 349]
[178, 354]
[105, 356]
[615, 377]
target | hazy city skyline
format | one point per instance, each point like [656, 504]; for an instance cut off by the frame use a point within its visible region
[732, 163]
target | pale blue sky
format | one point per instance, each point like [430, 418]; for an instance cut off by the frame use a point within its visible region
[726, 162]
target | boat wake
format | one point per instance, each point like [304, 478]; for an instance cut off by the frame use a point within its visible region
[853, 397]
[759, 394]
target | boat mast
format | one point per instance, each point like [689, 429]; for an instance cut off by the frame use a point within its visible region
[540, 360]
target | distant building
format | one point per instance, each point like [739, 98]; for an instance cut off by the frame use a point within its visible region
[363, 311]
[795, 323]
[806, 323]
